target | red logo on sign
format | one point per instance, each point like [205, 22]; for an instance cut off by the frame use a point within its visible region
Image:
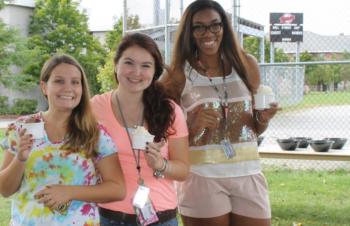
[287, 18]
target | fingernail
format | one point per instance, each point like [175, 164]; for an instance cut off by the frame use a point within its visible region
[30, 135]
[147, 152]
[147, 142]
[146, 148]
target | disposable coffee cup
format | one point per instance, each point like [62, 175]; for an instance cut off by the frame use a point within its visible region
[34, 128]
[262, 101]
[139, 141]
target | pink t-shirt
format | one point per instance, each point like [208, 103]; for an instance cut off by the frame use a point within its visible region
[162, 191]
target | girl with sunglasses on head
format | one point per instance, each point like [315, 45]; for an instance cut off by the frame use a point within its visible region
[214, 81]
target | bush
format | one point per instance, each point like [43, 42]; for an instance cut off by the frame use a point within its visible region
[4, 105]
[24, 106]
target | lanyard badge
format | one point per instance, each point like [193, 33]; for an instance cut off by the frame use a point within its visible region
[144, 209]
[226, 143]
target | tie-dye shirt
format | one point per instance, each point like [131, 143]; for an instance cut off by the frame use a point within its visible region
[47, 164]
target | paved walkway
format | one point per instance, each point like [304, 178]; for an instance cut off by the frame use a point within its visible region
[4, 123]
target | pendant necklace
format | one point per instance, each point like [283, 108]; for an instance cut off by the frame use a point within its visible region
[225, 143]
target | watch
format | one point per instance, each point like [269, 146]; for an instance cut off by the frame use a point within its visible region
[159, 173]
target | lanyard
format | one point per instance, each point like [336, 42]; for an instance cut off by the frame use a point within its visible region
[223, 98]
[136, 157]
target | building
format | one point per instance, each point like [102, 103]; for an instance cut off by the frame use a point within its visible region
[17, 13]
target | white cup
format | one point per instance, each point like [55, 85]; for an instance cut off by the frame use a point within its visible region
[139, 141]
[262, 101]
[35, 128]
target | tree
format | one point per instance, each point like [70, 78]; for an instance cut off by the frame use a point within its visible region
[57, 26]
[345, 69]
[252, 45]
[14, 55]
[114, 37]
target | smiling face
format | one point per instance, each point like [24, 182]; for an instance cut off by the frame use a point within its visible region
[135, 69]
[208, 43]
[64, 87]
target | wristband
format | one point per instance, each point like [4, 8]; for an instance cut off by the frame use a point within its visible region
[159, 173]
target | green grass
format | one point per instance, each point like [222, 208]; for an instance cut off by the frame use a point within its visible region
[316, 99]
[308, 197]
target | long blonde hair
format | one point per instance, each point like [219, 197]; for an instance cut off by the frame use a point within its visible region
[83, 133]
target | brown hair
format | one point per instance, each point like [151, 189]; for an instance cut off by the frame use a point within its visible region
[158, 111]
[185, 48]
[83, 132]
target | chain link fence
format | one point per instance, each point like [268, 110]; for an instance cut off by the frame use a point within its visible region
[310, 79]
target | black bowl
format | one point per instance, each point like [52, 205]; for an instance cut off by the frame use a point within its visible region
[321, 145]
[338, 142]
[303, 142]
[288, 144]
[260, 139]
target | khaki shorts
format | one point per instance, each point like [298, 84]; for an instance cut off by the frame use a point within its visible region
[202, 197]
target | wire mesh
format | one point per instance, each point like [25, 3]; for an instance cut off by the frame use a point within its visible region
[315, 98]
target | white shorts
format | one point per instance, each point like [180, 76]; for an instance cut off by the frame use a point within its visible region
[202, 197]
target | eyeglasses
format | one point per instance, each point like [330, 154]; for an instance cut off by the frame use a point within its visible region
[202, 29]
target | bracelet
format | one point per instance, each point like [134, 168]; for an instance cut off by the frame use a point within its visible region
[258, 120]
[159, 173]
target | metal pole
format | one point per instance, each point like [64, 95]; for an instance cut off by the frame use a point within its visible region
[156, 10]
[297, 54]
[166, 33]
[262, 50]
[125, 12]
[181, 7]
[235, 12]
[272, 53]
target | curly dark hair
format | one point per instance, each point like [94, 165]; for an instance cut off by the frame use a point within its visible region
[158, 110]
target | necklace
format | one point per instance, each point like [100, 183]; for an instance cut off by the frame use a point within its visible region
[136, 157]
[222, 97]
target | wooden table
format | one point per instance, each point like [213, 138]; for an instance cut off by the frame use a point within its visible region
[304, 154]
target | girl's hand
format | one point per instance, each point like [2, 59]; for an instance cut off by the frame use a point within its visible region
[25, 145]
[264, 116]
[10, 127]
[54, 196]
[153, 156]
[204, 119]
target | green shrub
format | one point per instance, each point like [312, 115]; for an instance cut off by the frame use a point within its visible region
[24, 106]
[4, 104]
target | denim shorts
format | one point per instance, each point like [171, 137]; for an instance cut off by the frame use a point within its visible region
[110, 222]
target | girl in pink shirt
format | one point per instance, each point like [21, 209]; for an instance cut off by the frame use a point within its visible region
[140, 102]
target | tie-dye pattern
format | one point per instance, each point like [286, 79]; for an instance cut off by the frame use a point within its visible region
[47, 164]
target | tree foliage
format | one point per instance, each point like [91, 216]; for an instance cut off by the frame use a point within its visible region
[114, 37]
[14, 55]
[58, 26]
[252, 45]
[105, 76]
[345, 69]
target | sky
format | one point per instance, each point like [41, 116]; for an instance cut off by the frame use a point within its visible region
[320, 16]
